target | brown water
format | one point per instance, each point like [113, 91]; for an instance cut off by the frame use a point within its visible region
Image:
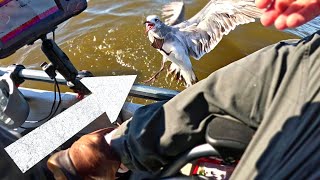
[109, 39]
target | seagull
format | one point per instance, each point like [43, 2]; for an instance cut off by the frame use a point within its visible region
[178, 39]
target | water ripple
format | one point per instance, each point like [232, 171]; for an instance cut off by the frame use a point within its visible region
[109, 39]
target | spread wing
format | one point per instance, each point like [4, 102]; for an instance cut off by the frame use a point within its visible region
[173, 13]
[205, 30]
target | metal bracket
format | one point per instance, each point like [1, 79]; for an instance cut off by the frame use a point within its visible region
[63, 65]
[13, 71]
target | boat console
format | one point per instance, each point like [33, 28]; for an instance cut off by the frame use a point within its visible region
[24, 21]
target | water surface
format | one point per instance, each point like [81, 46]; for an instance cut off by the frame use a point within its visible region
[109, 39]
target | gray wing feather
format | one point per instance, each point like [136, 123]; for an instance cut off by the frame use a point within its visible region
[173, 13]
[205, 30]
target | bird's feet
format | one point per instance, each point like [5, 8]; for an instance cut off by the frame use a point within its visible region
[151, 79]
[154, 77]
[174, 70]
[188, 78]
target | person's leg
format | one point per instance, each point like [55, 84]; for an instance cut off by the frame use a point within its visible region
[244, 90]
[286, 145]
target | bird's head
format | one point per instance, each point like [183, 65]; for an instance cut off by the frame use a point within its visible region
[152, 23]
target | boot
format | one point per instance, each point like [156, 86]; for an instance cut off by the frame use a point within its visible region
[90, 157]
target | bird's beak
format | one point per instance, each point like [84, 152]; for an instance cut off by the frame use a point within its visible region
[149, 26]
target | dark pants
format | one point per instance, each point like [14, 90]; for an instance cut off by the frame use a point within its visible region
[263, 89]
[8, 169]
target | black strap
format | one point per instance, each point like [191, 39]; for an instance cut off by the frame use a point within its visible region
[158, 44]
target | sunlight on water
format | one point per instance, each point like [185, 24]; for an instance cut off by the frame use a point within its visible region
[109, 39]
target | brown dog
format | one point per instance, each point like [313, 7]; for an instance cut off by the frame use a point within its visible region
[90, 157]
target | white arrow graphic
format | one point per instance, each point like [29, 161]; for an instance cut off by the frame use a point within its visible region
[108, 95]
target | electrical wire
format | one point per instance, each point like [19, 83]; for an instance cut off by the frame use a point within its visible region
[54, 35]
[59, 93]
[54, 109]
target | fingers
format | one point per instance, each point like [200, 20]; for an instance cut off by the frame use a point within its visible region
[295, 20]
[268, 18]
[288, 13]
[281, 5]
[297, 14]
[274, 10]
[263, 4]
[281, 21]
[304, 15]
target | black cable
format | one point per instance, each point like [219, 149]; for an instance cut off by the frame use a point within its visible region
[53, 109]
[53, 35]
[54, 101]
[53, 112]
[59, 93]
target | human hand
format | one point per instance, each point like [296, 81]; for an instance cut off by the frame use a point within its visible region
[288, 13]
